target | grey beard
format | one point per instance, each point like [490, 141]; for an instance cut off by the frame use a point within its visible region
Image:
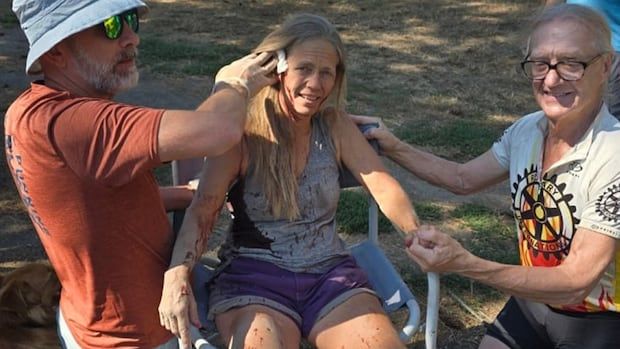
[102, 77]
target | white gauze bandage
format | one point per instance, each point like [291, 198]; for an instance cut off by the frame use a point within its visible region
[282, 63]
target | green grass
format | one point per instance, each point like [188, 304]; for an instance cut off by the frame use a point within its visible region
[429, 212]
[352, 213]
[463, 138]
[181, 58]
[493, 237]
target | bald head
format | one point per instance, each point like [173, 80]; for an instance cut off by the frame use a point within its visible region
[589, 27]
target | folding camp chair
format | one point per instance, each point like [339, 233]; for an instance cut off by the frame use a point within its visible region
[384, 278]
[381, 273]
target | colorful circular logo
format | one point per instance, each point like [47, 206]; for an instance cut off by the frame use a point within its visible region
[545, 216]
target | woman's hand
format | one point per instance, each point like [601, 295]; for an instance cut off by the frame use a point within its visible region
[178, 305]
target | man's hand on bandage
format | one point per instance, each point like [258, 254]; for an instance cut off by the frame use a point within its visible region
[248, 75]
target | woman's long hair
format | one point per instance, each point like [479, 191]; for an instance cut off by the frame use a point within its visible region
[268, 130]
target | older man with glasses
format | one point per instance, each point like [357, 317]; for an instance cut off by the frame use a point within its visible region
[611, 10]
[83, 163]
[563, 165]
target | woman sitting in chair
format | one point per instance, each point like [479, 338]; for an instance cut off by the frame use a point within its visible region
[285, 273]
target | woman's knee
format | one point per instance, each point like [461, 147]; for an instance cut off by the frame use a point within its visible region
[257, 326]
[358, 322]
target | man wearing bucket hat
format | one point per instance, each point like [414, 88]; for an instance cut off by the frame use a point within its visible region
[82, 163]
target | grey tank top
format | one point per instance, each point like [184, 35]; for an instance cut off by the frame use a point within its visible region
[308, 244]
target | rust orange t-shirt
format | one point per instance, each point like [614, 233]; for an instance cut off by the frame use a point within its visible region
[83, 169]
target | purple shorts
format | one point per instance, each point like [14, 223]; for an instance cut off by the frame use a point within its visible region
[305, 297]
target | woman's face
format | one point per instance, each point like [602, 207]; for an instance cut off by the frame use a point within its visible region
[310, 77]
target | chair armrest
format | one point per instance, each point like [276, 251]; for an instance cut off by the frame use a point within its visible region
[432, 311]
[413, 322]
[198, 341]
[432, 315]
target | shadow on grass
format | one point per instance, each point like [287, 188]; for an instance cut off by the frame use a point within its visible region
[425, 61]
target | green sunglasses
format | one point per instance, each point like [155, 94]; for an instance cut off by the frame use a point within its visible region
[113, 26]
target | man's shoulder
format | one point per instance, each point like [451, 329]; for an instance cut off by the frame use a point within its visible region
[38, 99]
[38, 90]
[528, 123]
[603, 146]
[607, 135]
[531, 119]
[42, 104]
[29, 104]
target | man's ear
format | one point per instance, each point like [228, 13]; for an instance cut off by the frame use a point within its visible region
[55, 56]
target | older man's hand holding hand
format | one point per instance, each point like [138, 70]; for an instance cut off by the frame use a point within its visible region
[435, 251]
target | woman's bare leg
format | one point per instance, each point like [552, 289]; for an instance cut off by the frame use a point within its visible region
[257, 326]
[360, 322]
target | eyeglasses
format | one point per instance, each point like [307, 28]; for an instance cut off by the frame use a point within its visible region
[568, 71]
[113, 26]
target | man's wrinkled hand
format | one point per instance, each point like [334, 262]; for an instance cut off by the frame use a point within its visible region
[435, 251]
[387, 141]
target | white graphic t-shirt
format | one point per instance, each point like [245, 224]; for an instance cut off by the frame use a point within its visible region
[582, 190]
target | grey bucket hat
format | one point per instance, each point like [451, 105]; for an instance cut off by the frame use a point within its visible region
[48, 22]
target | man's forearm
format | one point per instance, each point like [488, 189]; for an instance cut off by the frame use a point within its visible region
[549, 285]
[226, 115]
[212, 129]
[428, 167]
[176, 197]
